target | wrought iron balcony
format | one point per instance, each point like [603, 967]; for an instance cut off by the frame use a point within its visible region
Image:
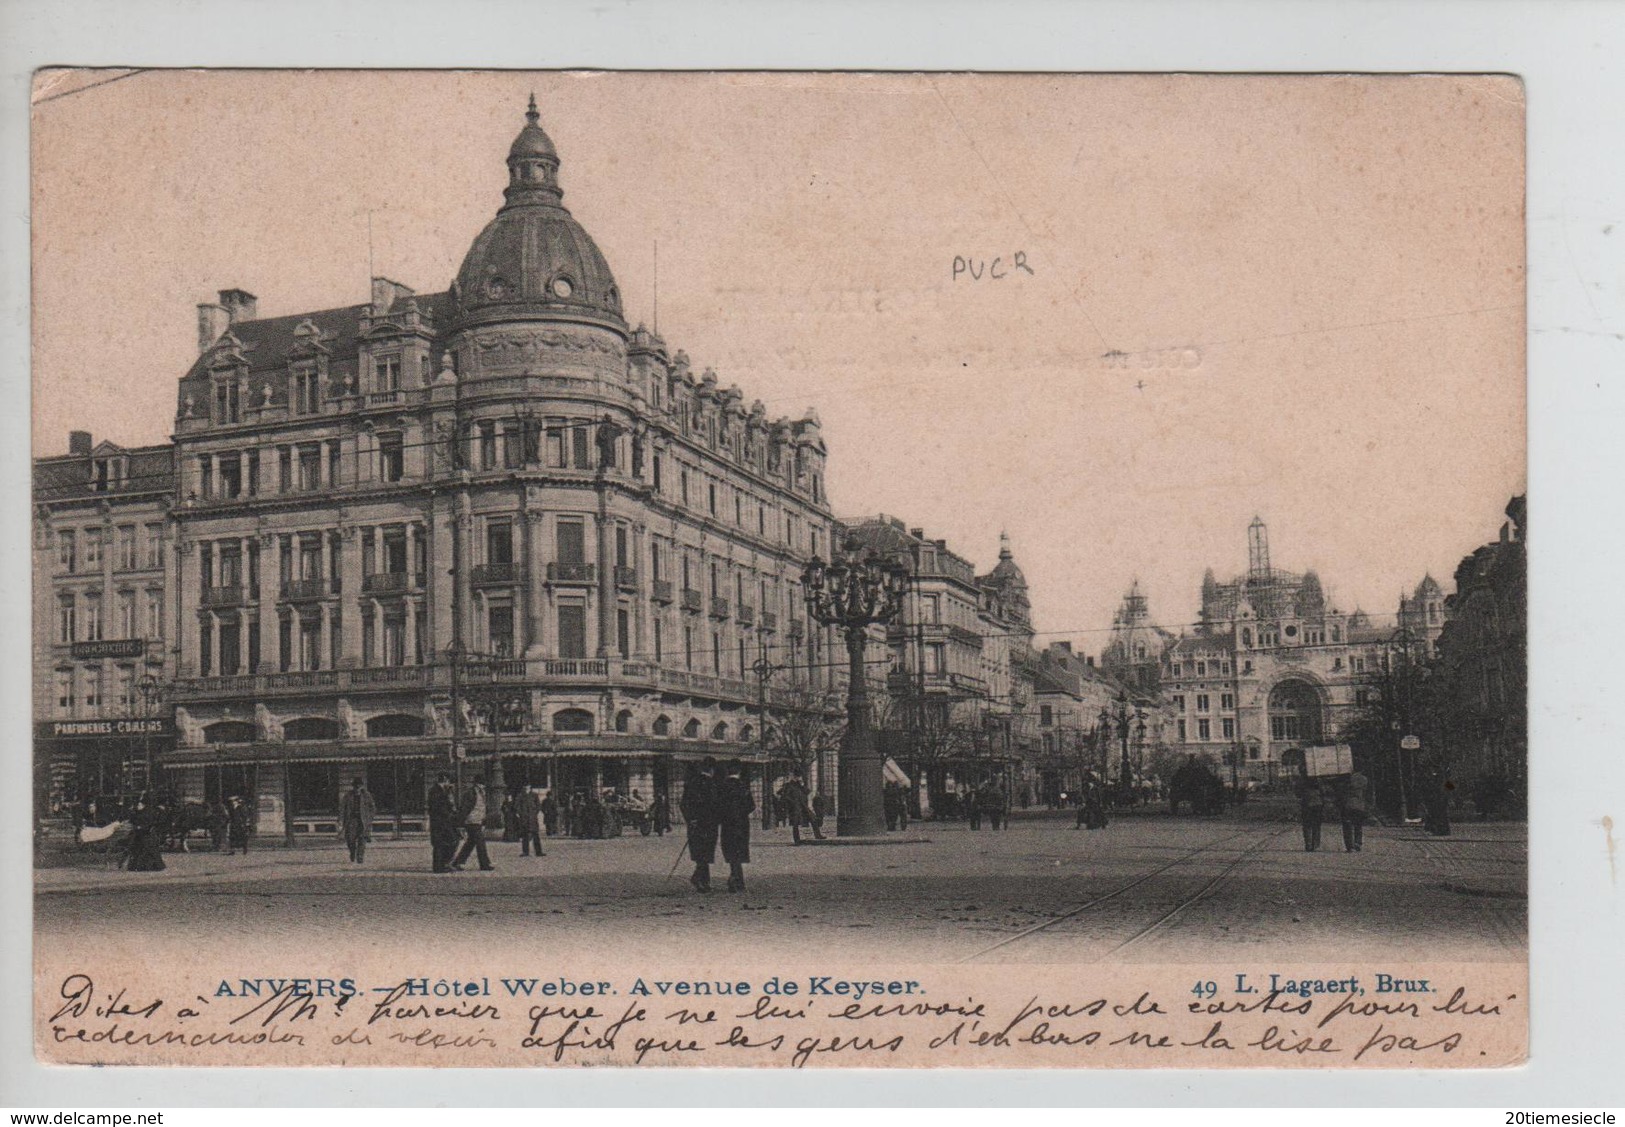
[770, 621]
[660, 591]
[390, 582]
[692, 600]
[626, 578]
[572, 573]
[298, 589]
[224, 596]
[493, 573]
[719, 607]
[746, 615]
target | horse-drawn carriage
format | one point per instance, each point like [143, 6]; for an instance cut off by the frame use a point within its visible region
[1196, 783]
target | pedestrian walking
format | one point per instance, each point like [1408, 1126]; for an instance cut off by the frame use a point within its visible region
[471, 815]
[793, 796]
[356, 812]
[219, 824]
[701, 813]
[146, 837]
[1355, 800]
[528, 810]
[1435, 803]
[734, 808]
[237, 824]
[660, 813]
[820, 811]
[550, 813]
[1311, 805]
[995, 805]
[442, 822]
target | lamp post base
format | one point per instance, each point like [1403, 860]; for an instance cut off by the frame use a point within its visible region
[862, 806]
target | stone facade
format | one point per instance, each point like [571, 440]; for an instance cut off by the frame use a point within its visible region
[1271, 666]
[493, 527]
[104, 617]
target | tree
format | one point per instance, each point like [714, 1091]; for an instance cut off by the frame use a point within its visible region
[804, 730]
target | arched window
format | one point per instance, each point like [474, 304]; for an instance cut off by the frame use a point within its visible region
[691, 730]
[394, 724]
[746, 734]
[662, 726]
[1295, 713]
[1246, 636]
[623, 720]
[312, 728]
[575, 720]
[229, 732]
[720, 732]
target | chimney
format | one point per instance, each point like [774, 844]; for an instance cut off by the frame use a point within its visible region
[386, 293]
[917, 533]
[240, 305]
[212, 320]
[1067, 646]
[1089, 660]
[79, 442]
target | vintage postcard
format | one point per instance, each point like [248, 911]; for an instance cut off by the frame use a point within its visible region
[779, 569]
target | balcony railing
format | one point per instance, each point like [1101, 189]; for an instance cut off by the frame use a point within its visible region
[770, 621]
[719, 607]
[746, 615]
[572, 573]
[692, 600]
[509, 670]
[224, 596]
[490, 573]
[796, 628]
[315, 679]
[626, 578]
[391, 675]
[660, 591]
[575, 667]
[294, 589]
[385, 398]
[390, 582]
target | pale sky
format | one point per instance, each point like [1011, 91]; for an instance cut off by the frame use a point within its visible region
[1334, 265]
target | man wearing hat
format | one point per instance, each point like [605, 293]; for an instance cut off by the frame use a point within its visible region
[442, 822]
[356, 812]
[734, 808]
[700, 811]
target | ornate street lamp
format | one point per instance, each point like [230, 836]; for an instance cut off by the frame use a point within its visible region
[151, 691]
[854, 592]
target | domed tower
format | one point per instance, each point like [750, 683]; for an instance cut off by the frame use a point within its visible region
[535, 264]
[1008, 586]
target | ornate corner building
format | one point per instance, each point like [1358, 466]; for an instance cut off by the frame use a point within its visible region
[493, 525]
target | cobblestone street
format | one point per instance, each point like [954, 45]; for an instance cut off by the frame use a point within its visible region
[1150, 888]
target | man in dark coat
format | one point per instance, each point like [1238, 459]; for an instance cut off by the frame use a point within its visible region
[356, 812]
[1311, 804]
[699, 809]
[1353, 802]
[146, 837]
[471, 815]
[550, 814]
[734, 808]
[237, 824]
[793, 794]
[529, 811]
[443, 832]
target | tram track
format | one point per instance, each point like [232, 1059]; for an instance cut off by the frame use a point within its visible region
[1128, 886]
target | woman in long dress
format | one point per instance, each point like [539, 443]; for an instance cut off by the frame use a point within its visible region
[146, 837]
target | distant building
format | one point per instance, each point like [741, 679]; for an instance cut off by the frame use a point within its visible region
[1271, 667]
[957, 701]
[104, 618]
[1134, 653]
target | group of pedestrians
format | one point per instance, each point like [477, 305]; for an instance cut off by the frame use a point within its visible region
[800, 808]
[1091, 803]
[718, 811]
[1351, 794]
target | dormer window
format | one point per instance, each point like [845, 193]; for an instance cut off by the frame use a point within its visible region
[227, 408]
[307, 391]
[386, 372]
[106, 474]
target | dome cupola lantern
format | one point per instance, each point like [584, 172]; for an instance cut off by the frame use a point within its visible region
[534, 261]
[533, 162]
